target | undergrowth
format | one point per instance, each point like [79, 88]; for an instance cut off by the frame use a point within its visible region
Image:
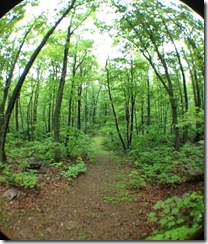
[178, 218]
[164, 165]
[27, 179]
[76, 143]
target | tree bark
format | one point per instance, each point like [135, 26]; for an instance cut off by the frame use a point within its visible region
[113, 108]
[56, 119]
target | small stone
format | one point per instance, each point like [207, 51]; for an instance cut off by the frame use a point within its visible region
[10, 194]
[194, 175]
[34, 163]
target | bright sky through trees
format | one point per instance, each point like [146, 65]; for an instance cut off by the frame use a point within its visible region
[103, 43]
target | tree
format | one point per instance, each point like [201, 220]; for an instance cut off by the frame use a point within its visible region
[56, 117]
[149, 36]
[113, 107]
[7, 115]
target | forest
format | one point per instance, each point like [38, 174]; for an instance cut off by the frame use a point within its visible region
[102, 108]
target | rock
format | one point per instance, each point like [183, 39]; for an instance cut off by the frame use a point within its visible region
[194, 175]
[34, 163]
[10, 194]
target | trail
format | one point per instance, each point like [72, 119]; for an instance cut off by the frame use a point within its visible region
[96, 207]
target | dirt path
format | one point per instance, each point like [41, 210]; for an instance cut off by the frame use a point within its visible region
[95, 207]
[98, 205]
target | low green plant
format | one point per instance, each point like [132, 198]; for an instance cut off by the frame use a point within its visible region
[2, 165]
[26, 179]
[118, 198]
[160, 172]
[79, 160]
[178, 218]
[57, 165]
[3, 181]
[164, 165]
[8, 174]
[74, 170]
[136, 180]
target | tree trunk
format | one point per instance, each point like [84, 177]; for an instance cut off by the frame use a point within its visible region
[142, 117]
[56, 119]
[113, 108]
[148, 105]
[79, 107]
[17, 115]
[35, 105]
[85, 111]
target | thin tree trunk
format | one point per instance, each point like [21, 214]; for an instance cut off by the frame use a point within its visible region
[85, 110]
[185, 129]
[17, 115]
[56, 119]
[95, 102]
[113, 109]
[142, 116]
[148, 104]
[132, 99]
[35, 105]
[79, 107]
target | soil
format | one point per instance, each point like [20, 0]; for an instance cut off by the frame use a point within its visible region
[95, 206]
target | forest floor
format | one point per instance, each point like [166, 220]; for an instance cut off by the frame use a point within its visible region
[95, 206]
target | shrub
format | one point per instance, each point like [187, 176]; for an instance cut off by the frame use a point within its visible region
[74, 170]
[179, 218]
[78, 142]
[7, 174]
[161, 172]
[160, 163]
[26, 179]
[136, 180]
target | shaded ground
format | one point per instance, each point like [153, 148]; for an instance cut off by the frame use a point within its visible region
[96, 206]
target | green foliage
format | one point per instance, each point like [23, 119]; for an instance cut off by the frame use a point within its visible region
[152, 147]
[192, 154]
[58, 165]
[119, 198]
[136, 181]
[3, 181]
[2, 165]
[41, 149]
[159, 163]
[7, 175]
[74, 170]
[110, 137]
[79, 160]
[179, 218]
[193, 116]
[26, 179]
[78, 142]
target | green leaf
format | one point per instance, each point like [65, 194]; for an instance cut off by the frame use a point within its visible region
[175, 211]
